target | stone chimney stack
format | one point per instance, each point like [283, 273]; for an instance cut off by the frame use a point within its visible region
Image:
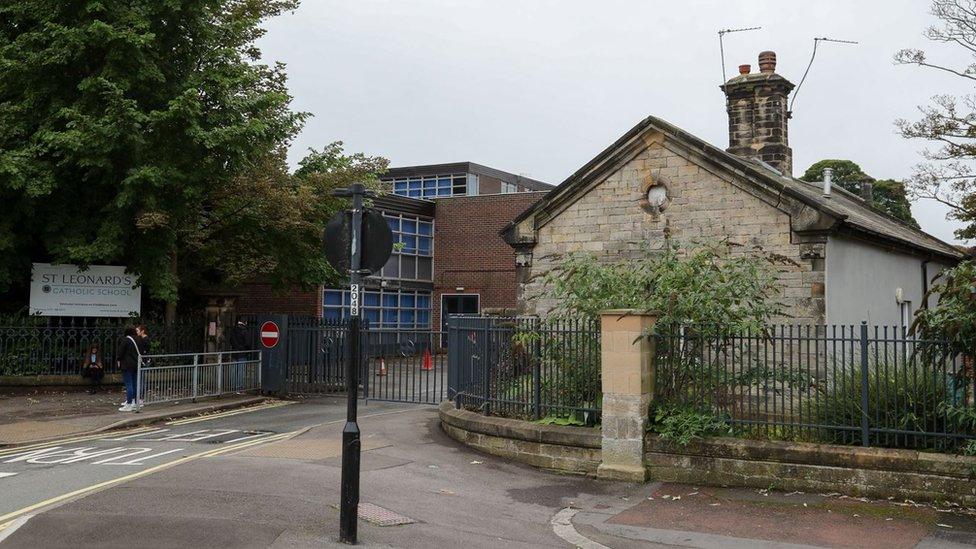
[758, 118]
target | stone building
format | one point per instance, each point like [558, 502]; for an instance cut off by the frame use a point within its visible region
[847, 261]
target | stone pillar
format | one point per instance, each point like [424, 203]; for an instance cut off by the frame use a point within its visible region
[627, 361]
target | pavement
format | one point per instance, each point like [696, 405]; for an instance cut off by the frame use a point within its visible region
[43, 416]
[269, 477]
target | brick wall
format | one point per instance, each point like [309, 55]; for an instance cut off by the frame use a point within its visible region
[704, 207]
[259, 298]
[469, 253]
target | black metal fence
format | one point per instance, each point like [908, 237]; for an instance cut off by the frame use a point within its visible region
[31, 345]
[867, 385]
[405, 365]
[526, 367]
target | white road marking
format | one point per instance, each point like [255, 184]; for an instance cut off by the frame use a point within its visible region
[57, 455]
[562, 526]
[3, 475]
[9, 528]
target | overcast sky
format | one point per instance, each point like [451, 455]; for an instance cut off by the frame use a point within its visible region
[539, 87]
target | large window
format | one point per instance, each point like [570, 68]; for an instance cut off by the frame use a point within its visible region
[404, 309]
[414, 260]
[433, 186]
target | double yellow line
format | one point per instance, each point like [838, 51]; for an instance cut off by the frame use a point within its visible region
[9, 518]
[239, 411]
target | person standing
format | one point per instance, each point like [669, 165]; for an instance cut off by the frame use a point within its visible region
[92, 368]
[128, 362]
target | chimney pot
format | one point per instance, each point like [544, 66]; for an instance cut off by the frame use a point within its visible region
[828, 181]
[867, 192]
[745, 69]
[767, 62]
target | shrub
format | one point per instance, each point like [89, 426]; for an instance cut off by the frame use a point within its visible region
[682, 425]
[906, 400]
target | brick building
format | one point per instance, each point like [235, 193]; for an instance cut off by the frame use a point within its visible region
[452, 260]
[846, 260]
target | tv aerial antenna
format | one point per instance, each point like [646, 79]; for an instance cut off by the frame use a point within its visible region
[721, 46]
[816, 41]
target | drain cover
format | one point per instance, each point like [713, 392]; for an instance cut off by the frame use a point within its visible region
[374, 514]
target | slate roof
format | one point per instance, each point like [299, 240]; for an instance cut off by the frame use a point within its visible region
[853, 213]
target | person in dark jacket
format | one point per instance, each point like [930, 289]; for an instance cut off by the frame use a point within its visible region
[92, 368]
[128, 362]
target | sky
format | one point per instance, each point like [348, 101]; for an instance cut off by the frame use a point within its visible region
[539, 87]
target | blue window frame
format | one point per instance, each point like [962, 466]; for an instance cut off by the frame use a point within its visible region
[403, 309]
[413, 260]
[431, 186]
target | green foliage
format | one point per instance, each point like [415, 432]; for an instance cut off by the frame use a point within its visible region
[148, 133]
[707, 284]
[948, 123]
[911, 399]
[953, 320]
[568, 363]
[682, 425]
[889, 195]
[562, 420]
[969, 449]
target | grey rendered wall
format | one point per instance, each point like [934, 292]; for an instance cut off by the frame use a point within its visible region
[861, 281]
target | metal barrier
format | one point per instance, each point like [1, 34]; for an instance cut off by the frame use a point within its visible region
[188, 376]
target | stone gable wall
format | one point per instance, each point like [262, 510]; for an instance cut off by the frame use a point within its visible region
[609, 222]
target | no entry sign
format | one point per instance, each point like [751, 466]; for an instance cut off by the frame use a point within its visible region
[270, 334]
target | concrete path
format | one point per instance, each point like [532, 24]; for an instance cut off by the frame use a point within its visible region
[283, 492]
[34, 418]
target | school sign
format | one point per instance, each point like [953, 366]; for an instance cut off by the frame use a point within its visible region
[100, 290]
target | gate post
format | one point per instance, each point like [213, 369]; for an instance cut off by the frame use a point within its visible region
[274, 361]
[627, 363]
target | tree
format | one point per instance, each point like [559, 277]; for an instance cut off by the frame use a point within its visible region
[148, 133]
[889, 195]
[948, 123]
[704, 285]
[953, 321]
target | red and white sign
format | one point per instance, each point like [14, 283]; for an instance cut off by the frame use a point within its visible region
[269, 334]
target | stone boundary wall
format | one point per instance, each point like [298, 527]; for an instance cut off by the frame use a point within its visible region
[850, 470]
[562, 448]
[821, 468]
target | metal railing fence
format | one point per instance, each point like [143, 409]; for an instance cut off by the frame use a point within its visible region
[188, 376]
[526, 367]
[32, 345]
[405, 365]
[866, 385]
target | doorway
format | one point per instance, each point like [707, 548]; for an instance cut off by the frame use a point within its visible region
[458, 304]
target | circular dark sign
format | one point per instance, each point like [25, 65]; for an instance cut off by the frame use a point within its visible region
[375, 247]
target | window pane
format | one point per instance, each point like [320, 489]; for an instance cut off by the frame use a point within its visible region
[408, 300]
[423, 244]
[371, 299]
[390, 300]
[414, 193]
[416, 184]
[332, 314]
[372, 315]
[444, 192]
[423, 319]
[423, 301]
[333, 297]
[409, 244]
[389, 317]
[406, 317]
[409, 226]
[408, 268]
[394, 223]
[424, 271]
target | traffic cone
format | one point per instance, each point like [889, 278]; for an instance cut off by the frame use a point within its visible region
[382, 370]
[428, 361]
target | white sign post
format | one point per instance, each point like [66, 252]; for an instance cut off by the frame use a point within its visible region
[101, 290]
